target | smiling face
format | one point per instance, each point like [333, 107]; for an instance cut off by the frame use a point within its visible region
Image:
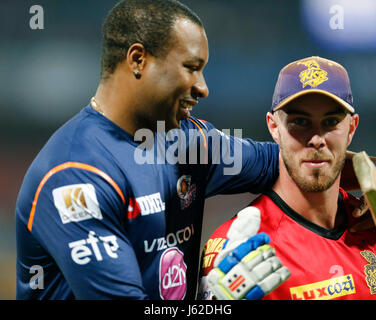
[313, 133]
[174, 83]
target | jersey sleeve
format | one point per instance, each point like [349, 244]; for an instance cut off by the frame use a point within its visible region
[79, 219]
[239, 164]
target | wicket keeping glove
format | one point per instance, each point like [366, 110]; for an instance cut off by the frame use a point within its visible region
[246, 267]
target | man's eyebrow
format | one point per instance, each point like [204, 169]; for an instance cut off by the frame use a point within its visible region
[292, 111]
[339, 110]
[196, 59]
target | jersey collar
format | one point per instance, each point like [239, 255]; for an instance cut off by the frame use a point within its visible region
[333, 234]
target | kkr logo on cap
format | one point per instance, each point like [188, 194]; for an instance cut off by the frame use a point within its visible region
[313, 75]
[76, 202]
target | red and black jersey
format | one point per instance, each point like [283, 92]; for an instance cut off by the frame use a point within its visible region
[324, 264]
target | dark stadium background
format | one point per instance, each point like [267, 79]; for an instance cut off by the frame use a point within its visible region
[48, 75]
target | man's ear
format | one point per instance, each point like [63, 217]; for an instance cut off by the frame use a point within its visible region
[136, 57]
[272, 123]
[354, 121]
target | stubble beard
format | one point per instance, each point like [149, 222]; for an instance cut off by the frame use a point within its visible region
[319, 180]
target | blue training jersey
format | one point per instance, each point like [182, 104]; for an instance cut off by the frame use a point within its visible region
[95, 222]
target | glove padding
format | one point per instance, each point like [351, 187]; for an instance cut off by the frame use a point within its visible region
[246, 268]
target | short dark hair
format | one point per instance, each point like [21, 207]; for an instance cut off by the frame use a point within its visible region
[148, 22]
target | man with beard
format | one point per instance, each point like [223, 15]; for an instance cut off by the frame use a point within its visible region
[306, 214]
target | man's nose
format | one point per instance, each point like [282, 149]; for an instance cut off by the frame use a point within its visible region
[317, 141]
[200, 89]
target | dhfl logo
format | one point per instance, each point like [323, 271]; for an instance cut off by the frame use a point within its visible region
[133, 208]
[145, 205]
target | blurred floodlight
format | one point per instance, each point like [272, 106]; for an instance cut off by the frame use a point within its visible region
[341, 25]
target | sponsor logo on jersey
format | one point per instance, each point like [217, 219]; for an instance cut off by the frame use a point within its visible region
[145, 205]
[172, 275]
[212, 247]
[171, 240]
[186, 191]
[370, 269]
[313, 75]
[76, 202]
[204, 293]
[83, 251]
[325, 290]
